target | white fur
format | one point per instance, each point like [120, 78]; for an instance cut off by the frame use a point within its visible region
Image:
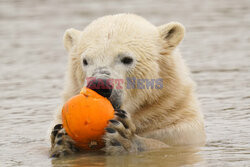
[171, 114]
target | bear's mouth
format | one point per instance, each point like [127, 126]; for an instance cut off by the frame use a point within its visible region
[107, 90]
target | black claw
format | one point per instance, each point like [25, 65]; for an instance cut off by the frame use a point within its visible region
[125, 126]
[121, 115]
[59, 135]
[115, 122]
[58, 127]
[120, 111]
[59, 142]
[110, 130]
[115, 143]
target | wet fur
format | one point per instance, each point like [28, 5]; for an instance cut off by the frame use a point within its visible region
[155, 118]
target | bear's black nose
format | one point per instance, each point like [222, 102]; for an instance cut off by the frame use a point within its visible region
[101, 86]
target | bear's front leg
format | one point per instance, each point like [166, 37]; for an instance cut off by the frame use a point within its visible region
[61, 143]
[120, 136]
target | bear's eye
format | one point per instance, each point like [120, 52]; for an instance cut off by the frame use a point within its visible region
[85, 62]
[127, 60]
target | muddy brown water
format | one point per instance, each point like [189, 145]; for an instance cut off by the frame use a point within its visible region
[32, 64]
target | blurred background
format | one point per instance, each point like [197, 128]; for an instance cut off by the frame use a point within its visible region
[33, 60]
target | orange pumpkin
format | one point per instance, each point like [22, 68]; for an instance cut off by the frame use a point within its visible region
[85, 117]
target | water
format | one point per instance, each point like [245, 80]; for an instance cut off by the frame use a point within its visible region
[33, 61]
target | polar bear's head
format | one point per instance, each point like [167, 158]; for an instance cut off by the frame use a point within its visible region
[119, 56]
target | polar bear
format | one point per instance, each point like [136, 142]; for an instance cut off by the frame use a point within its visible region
[151, 89]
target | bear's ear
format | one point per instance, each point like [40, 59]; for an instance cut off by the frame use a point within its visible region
[70, 38]
[172, 33]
